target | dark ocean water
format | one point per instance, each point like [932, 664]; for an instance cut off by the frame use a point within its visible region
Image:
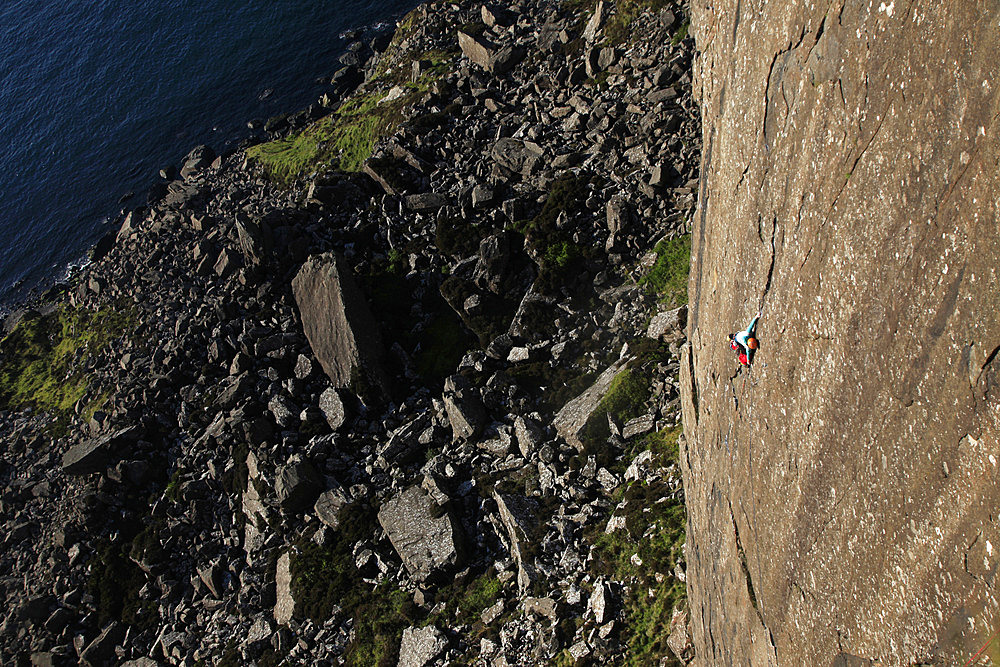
[97, 95]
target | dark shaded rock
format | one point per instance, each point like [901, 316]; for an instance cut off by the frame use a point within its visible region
[427, 201]
[101, 650]
[97, 454]
[503, 267]
[296, 486]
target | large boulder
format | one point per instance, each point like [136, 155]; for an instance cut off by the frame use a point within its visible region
[518, 515]
[97, 454]
[424, 535]
[464, 407]
[573, 416]
[339, 326]
[419, 646]
[517, 155]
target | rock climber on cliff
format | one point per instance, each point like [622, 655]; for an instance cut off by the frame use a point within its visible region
[745, 342]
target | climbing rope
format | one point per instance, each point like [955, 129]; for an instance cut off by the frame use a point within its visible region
[980, 651]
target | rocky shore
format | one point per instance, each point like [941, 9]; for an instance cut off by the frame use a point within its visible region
[397, 386]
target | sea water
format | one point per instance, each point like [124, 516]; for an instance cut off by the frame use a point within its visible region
[96, 96]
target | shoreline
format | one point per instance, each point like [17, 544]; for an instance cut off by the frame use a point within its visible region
[24, 296]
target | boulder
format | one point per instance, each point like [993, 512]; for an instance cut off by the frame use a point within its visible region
[679, 640]
[668, 325]
[296, 486]
[101, 650]
[97, 454]
[332, 406]
[198, 159]
[425, 201]
[420, 646]
[479, 51]
[339, 325]
[595, 23]
[464, 407]
[518, 516]
[529, 435]
[284, 605]
[424, 535]
[329, 504]
[516, 155]
[573, 416]
[494, 16]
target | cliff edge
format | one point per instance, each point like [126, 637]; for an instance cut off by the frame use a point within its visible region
[842, 494]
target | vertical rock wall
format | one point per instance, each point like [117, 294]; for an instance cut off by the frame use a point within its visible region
[843, 495]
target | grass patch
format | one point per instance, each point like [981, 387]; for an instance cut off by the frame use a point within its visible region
[655, 531]
[326, 576]
[617, 29]
[682, 32]
[668, 278]
[559, 258]
[342, 140]
[42, 360]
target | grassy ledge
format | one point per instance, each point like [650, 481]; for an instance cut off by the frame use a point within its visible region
[667, 279]
[344, 139]
[644, 555]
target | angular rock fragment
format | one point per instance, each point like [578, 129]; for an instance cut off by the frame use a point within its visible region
[464, 407]
[296, 486]
[424, 536]
[284, 605]
[420, 646]
[516, 155]
[97, 454]
[329, 504]
[573, 416]
[518, 515]
[332, 406]
[669, 324]
[339, 325]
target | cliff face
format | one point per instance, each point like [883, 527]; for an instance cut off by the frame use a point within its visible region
[843, 494]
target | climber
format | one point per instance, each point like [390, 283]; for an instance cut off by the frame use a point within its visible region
[745, 342]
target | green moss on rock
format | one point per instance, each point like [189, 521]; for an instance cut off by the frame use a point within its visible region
[42, 360]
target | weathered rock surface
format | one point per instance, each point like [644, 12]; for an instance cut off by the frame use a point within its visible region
[338, 323]
[573, 416]
[284, 605]
[424, 536]
[420, 646]
[849, 194]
